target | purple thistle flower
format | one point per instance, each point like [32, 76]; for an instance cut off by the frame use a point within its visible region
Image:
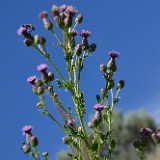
[27, 129]
[158, 135]
[31, 79]
[71, 10]
[21, 30]
[43, 15]
[85, 33]
[42, 67]
[146, 131]
[70, 123]
[98, 107]
[113, 54]
[63, 8]
[68, 9]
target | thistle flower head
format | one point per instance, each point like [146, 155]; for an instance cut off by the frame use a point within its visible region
[146, 131]
[63, 8]
[42, 67]
[43, 15]
[68, 9]
[85, 33]
[55, 11]
[27, 129]
[70, 123]
[113, 54]
[31, 79]
[21, 30]
[98, 107]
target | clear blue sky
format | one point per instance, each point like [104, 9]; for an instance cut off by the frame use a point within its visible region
[130, 27]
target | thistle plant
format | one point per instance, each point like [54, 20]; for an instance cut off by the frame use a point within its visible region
[82, 146]
[146, 135]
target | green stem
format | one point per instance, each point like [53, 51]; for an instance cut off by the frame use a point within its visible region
[98, 141]
[55, 35]
[49, 115]
[75, 26]
[56, 69]
[44, 108]
[36, 154]
[43, 53]
[110, 124]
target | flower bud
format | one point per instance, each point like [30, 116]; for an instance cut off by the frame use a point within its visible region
[112, 65]
[92, 47]
[103, 91]
[72, 42]
[33, 141]
[68, 21]
[85, 44]
[39, 40]
[155, 138]
[120, 84]
[78, 49]
[66, 140]
[47, 23]
[34, 89]
[28, 42]
[70, 123]
[38, 83]
[40, 90]
[26, 148]
[50, 76]
[45, 154]
[79, 19]
[55, 11]
[93, 123]
[103, 68]
[58, 21]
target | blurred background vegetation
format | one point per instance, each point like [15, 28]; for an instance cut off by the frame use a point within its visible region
[126, 128]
